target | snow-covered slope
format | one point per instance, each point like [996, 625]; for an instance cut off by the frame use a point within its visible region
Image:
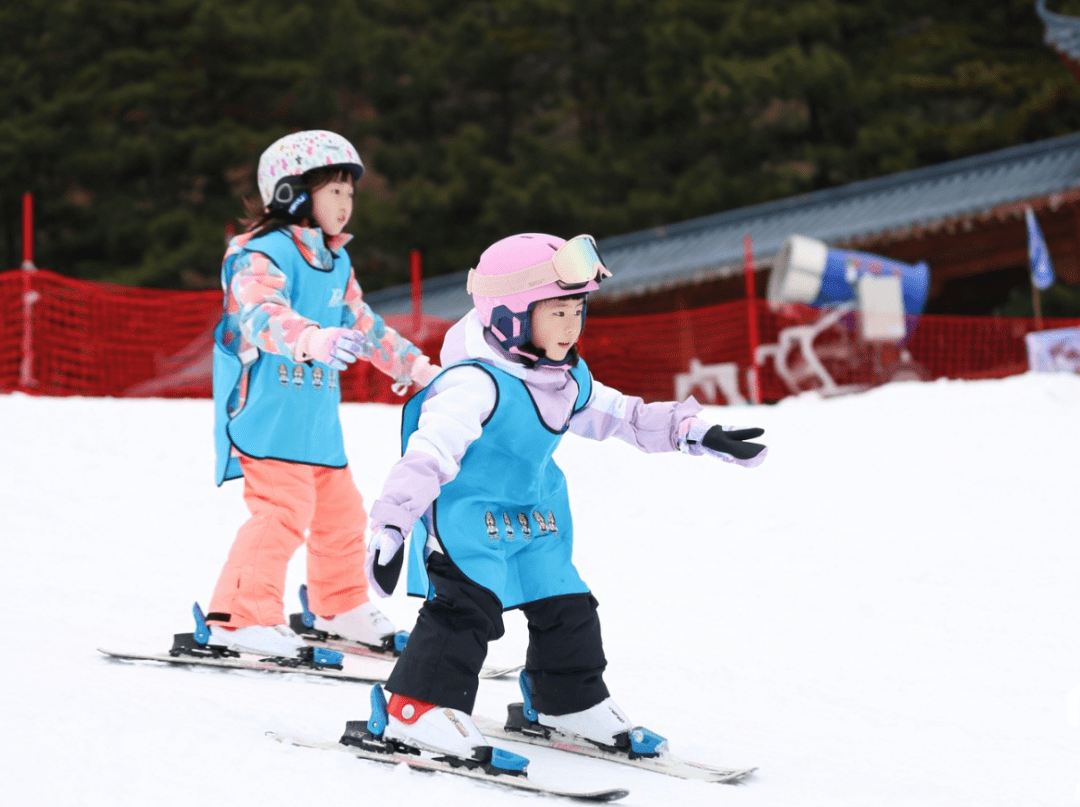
[887, 612]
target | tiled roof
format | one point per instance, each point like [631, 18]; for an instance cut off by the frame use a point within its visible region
[712, 246]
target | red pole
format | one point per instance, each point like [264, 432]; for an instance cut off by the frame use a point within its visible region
[751, 317]
[29, 296]
[416, 275]
[28, 230]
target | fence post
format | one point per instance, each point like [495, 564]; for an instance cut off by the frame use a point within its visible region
[29, 296]
[416, 278]
[751, 318]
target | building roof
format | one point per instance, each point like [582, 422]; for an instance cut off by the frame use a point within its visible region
[899, 205]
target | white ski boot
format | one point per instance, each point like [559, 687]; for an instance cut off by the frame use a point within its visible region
[262, 640]
[364, 624]
[425, 727]
[604, 725]
[432, 728]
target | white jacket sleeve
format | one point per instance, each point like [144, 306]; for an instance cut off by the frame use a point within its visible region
[451, 418]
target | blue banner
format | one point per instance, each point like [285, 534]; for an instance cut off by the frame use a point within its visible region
[1042, 271]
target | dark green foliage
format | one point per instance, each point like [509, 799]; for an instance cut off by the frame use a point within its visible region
[137, 125]
[1060, 300]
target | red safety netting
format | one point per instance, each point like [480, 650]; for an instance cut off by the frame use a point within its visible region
[101, 339]
[60, 336]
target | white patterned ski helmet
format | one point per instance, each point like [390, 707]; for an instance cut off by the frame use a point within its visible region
[517, 272]
[300, 152]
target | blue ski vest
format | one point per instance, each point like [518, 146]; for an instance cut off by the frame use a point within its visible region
[504, 520]
[291, 409]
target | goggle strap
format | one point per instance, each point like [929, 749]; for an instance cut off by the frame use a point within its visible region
[515, 283]
[539, 275]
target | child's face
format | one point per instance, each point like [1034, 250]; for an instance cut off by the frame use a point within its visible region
[556, 325]
[331, 206]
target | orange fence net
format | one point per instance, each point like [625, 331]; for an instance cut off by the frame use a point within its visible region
[60, 336]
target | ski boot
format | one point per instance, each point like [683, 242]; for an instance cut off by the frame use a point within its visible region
[604, 725]
[364, 625]
[274, 642]
[406, 725]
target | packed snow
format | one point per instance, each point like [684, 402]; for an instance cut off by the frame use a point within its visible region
[887, 612]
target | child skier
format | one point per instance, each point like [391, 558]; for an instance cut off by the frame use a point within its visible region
[488, 508]
[294, 318]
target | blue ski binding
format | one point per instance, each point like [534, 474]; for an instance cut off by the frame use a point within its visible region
[197, 643]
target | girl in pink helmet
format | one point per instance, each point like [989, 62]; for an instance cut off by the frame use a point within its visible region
[488, 511]
[294, 318]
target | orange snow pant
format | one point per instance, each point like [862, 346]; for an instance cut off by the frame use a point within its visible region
[286, 499]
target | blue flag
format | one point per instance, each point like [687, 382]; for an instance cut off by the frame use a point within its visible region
[1042, 271]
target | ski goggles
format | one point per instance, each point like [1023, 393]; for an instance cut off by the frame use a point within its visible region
[574, 265]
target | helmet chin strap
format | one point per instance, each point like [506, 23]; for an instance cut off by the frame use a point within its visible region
[567, 361]
[536, 357]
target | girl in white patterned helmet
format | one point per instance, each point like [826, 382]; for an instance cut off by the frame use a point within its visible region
[294, 318]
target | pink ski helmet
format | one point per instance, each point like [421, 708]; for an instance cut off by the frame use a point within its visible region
[517, 272]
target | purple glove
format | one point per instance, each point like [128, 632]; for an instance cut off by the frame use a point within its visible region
[337, 347]
[696, 437]
[384, 559]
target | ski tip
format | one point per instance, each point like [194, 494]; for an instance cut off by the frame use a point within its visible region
[601, 796]
[740, 777]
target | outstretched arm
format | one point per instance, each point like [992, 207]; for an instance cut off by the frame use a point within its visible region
[650, 427]
[665, 426]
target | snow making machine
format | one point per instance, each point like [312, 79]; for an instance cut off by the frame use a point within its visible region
[845, 318]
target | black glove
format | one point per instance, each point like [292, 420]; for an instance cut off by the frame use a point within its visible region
[733, 443]
[385, 556]
[697, 437]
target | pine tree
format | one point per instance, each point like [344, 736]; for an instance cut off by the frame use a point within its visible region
[137, 124]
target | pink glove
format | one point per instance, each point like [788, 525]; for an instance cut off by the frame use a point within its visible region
[727, 443]
[337, 347]
[423, 371]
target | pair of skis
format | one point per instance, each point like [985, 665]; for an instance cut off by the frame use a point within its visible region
[323, 657]
[506, 769]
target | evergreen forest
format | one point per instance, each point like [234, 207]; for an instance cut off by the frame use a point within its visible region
[137, 124]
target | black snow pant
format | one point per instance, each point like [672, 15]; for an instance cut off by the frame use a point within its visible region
[442, 659]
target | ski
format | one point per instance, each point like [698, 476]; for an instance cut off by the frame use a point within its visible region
[356, 649]
[248, 662]
[519, 729]
[303, 624]
[479, 770]
[195, 649]
[501, 672]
